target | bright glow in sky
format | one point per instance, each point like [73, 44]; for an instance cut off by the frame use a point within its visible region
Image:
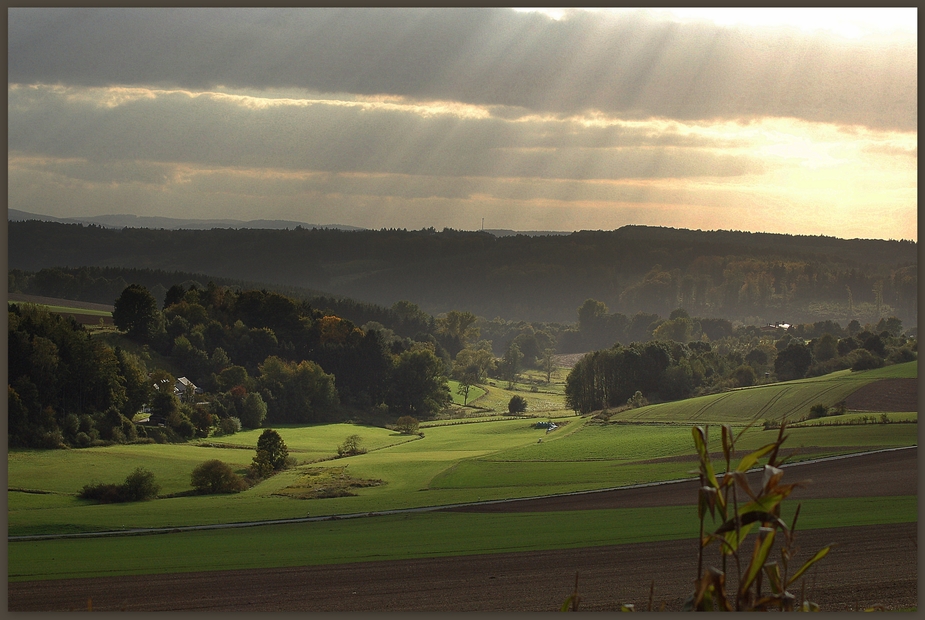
[781, 120]
[851, 22]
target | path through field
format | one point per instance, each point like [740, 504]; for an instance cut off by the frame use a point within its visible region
[872, 565]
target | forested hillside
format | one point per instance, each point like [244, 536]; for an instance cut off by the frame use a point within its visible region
[749, 277]
[258, 355]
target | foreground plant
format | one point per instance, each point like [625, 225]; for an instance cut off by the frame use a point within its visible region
[739, 516]
[758, 507]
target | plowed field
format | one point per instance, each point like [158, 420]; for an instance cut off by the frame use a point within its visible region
[872, 565]
[886, 395]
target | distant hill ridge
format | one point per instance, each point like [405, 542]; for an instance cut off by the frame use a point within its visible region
[127, 220]
[752, 277]
[168, 223]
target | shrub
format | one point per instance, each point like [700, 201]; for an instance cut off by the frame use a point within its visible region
[350, 447]
[818, 411]
[185, 429]
[229, 426]
[407, 425]
[102, 493]
[517, 404]
[157, 434]
[52, 440]
[82, 439]
[138, 486]
[637, 400]
[214, 476]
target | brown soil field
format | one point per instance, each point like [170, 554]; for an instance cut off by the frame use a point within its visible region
[886, 395]
[871, 565]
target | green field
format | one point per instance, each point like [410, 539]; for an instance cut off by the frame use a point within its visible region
[456, 461]
[397, 537]
[791, 399]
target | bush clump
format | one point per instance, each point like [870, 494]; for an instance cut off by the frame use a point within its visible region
[215, 476]
[407, 425]
[517, 404]
[229, 426]
[350, 447]
[138, 486]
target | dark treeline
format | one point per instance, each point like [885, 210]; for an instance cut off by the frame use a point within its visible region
[744, 277]
[664, 370]
[104, 284]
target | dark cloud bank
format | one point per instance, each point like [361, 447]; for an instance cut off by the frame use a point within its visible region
[629, 66]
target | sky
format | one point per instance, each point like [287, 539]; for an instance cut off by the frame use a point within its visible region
[800, 121]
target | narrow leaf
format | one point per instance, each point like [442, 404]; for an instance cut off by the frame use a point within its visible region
[727, 442]
[706, 466]
[733, 538]
[821, 554]
[748, 461]
[759, 556]
[772, 570]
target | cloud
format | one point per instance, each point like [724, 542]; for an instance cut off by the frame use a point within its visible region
[334, 137]
[630, 66]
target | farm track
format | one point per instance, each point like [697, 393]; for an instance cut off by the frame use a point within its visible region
[710, 405]
[872, 565]
[805, 403]
[771, 402]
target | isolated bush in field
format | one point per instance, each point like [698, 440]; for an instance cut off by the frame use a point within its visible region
[214, 476]
[407, 425]
[351, 447]
[517, 404]
[138, 486]
[818, 411]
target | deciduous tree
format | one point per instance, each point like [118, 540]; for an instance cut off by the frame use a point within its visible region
[135, 312]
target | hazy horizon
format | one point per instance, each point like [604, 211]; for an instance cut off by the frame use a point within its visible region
[797, 121]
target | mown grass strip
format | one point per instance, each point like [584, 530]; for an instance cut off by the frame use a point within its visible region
[400, 537]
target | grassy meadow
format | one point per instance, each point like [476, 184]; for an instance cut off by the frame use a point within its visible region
[776, 401]
[484, 457]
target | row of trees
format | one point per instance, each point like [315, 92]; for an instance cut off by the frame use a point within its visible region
[668, 370]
